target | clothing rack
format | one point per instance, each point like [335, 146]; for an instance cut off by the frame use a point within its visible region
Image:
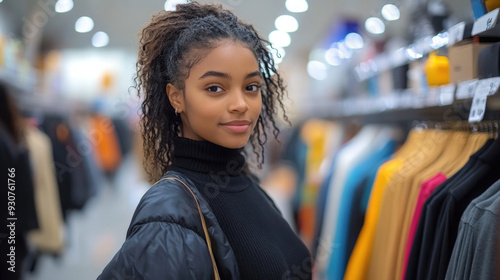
[489, 127]
[438, 104]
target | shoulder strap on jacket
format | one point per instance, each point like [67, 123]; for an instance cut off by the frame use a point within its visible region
[205, 230]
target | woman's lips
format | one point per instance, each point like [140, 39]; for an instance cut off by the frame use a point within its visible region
[237, 126]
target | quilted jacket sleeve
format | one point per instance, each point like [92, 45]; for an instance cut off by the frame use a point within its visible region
[160, 250]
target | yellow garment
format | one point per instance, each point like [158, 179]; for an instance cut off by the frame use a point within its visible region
[49, 237]
[476, 141]
[357, 266]
[451, 152]
[395, 201]
[358, 262]
[314, 134]
[3, 41]
[461, 146]
[382, 257]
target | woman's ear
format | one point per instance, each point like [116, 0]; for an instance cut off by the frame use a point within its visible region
[175, 97]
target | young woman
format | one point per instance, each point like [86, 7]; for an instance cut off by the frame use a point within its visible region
[210, 86]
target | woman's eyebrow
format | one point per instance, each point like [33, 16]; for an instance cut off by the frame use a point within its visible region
[216, 74]
[227, 76]
[253, 74]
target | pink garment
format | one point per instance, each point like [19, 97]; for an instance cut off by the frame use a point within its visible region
[425, 191]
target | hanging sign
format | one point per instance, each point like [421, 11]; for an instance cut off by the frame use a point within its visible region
[466, 89]
[489, 85]
[478, 107]
[485, 23]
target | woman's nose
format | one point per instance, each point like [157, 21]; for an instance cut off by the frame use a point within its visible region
[238, 102]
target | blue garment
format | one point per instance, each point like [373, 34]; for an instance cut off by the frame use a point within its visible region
[479, 8]
[295, 154]
[362, 173]
[321, 203]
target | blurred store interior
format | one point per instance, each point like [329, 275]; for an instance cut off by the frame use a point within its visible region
[358, 72]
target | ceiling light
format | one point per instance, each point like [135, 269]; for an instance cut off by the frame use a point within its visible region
[344, 50]
[375, 25]
[84, 24]
[317, 70]
[100, 39]
[333, 57]
[63, 6]
[296, 6]
[286, 23]
[280, 38]
[170, 5]
[390, 12]
[354, 41]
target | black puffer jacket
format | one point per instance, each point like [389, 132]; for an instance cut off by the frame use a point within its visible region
[165, 239]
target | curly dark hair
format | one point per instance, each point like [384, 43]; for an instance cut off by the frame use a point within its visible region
[167, 52]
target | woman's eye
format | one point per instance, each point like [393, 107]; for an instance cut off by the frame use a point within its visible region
[214, 89]
[253, 88]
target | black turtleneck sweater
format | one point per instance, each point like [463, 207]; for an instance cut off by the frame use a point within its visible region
[264, 244]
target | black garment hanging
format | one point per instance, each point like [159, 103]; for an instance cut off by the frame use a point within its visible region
[15, 160]
[124, 135]
[458, 198]
[439, 224]
[72, 179]
[422, 243]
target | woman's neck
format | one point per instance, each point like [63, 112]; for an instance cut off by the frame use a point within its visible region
[207, 157]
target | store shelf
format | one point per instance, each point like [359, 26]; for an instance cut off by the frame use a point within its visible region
[417, 50]
[402, 56]
[485, 26]
[438, 103]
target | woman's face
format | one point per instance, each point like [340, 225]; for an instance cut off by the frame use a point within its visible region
[221, 102]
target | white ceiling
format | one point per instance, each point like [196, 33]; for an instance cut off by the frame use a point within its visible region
[123, 19]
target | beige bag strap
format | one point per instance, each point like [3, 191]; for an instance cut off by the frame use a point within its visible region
[205, 230]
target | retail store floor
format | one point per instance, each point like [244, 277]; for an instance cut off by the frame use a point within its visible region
[97, 232]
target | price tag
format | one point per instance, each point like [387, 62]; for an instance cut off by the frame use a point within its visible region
[485, 23]
[447, 94]
[456, 33]
[466, 89]
[478, 106]
[490, 85]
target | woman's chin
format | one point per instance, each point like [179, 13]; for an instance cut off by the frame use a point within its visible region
[234, 143]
